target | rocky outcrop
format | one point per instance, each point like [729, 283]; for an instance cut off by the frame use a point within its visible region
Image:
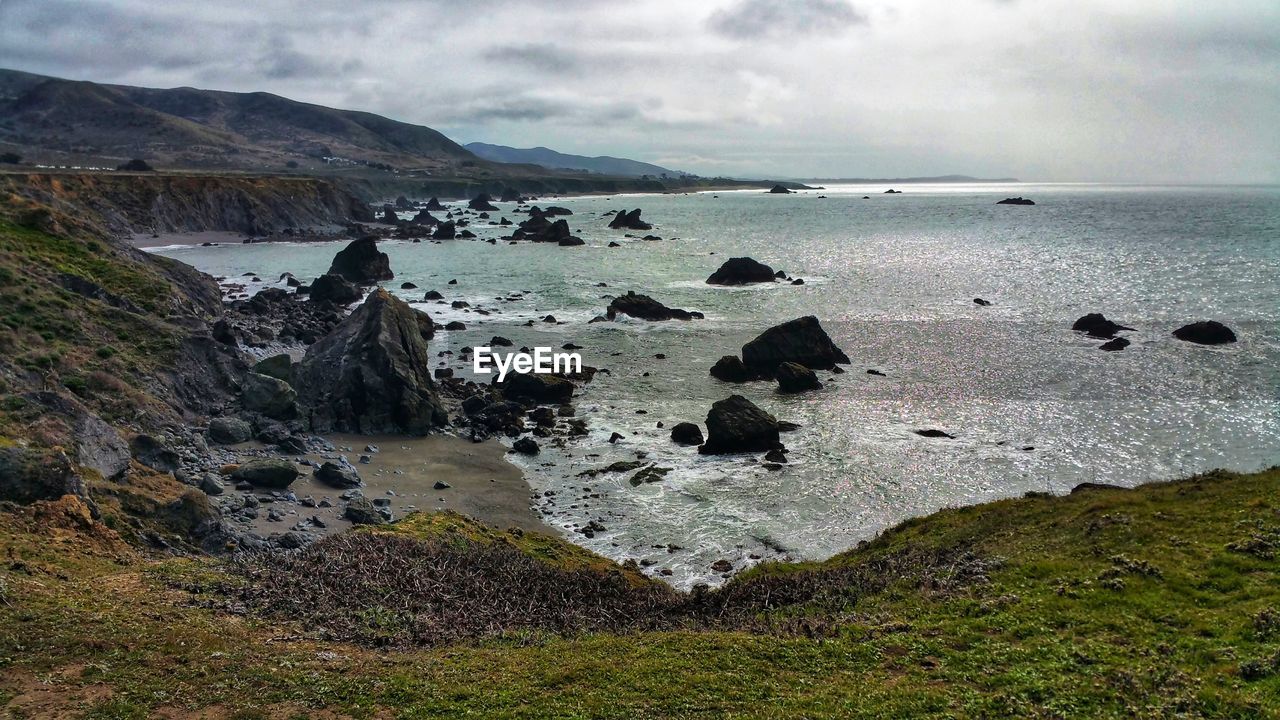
[741, 271]
[796, 378]
[1016, 201]
[334, 289]
[362, 263]
[1114, 344]
[549, 389]
[801, 341]
[540, 228]
[779, 190]
[372, 374]
[736, 425]
[424, 217]
[686, 433]
[646, 308]
[447, 230]
[1206, 332]
[1098, 326]
[629, 220]
[29, 475]
[434, 205]
[481, 202]
[730, 369]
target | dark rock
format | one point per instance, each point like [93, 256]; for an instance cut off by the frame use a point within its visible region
[362, 511]
[362, 262]
[553, 211]
[730, 369]
[338, 476]
[891, 191]
[625, 220]
[1207, 332]
[499, 341]
[432, 295]
[266, 472]
[223, 333]
[775, 456]
[481, 202]
[722, 566]
[526, 446]
[441, 485]
[736, 425]
[229, 430]
[28, 475]
[649, 474]
[424, 218]
[434, 204]
[210, 484]
[981, 303]
[154, 454]
[795, 378]
[279, 367]
[547, 389]
[801, 341]
[932, 433]
[1114, 344]
[741, 271]
[372, 374]
[1016, 201]
[334, 289]
[408, 286]
[270, 396]
[447, 230]
[1097, 325]
[455, 325]
[646, 308]
[779, 190]
[686, 433]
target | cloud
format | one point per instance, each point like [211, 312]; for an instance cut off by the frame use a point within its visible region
[756, 19]
[543, 57]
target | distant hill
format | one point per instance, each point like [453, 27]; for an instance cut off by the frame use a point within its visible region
[548, 158]
[906, 180]
[52, 120]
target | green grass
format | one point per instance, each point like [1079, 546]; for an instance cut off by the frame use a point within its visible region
[1106, 603]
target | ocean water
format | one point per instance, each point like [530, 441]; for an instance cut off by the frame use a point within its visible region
[1033, 405]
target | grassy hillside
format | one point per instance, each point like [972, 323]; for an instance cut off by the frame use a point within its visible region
[1158, 602]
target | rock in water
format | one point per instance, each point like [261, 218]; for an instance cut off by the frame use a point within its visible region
[270, 473]
[686, 433]
[629, 221]
[646, 308]
[372, 374]
[741, 271]
[434, 204]
[736, 425]
[1016, 201]
[730, 369]
[801, 341]
[543, 389]
[779, 190]
[1097, 325]
[1114, 344]
[338, 476]
[481, 202]
[334, 289]
[794, 378]
[362, 262]
[1207, 332]
[447, 230]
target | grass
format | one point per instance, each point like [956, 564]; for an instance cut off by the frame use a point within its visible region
[1156, 602]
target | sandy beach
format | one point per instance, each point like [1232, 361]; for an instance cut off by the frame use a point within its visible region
[405, 470]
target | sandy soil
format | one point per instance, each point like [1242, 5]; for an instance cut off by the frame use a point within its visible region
[405, 470]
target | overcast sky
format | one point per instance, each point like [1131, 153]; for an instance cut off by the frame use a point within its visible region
[1123, 90]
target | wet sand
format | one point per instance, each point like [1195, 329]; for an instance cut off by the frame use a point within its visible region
[147, 240]
[405, 470]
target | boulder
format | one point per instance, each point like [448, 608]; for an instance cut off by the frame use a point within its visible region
[279, 367]
[28, 475]
[1097, 325]
[432, 295]
[362, 263]
[526, 446]
[542, 389]
[736, 425]
[229, 430]
[801, 341]
[270, 396]
[1207, 332]
[625, 220]
[154, 453]
[362, 511]
[434, 204]
[741, 271]
[779, 190]
[1114, 344]
[424, 218]
[447, 230]
[730, 369]
[266, 472]
[334, 289]
[1016, 201]
[98, 446]
[686, 433]
[372, 373]
[337, 475]
[646, 308]
[795, 378]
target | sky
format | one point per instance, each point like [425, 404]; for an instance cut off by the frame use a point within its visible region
[1051, 90]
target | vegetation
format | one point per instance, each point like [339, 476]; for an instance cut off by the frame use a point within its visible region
[1156, 602]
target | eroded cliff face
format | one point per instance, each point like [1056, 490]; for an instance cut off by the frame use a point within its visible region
[140, 203]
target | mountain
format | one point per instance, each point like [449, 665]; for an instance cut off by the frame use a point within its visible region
[548, 158]
[55, 121]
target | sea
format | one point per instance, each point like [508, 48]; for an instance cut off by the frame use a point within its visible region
[1032, 405]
